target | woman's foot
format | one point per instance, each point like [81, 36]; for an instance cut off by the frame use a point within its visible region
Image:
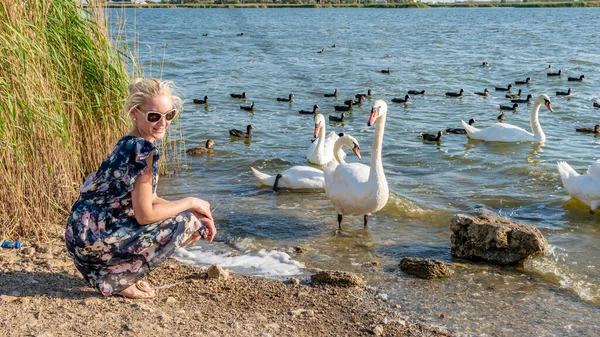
[139, 290]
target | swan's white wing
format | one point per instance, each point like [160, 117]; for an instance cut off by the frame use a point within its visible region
[594, 170]
[302, 177]
[500, 132]
[329, 144]
[347, 188]
[585, 188]
[328, 171]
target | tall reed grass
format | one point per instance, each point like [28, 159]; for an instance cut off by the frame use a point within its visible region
[62, 87]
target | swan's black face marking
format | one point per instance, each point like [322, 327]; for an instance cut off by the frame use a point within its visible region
[548, 105]
[356, 150]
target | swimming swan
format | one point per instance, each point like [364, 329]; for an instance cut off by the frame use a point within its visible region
[296, 177]
[359, 189]
[502, 132]
[320, 152]
[585, 187]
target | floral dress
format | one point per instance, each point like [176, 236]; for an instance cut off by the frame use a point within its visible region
[109, 247]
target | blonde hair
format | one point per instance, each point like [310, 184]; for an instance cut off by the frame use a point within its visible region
[142, 89]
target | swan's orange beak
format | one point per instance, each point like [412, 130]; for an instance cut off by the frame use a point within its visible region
[316, 133]
[356, 151]
[549, 106]
[373, 116]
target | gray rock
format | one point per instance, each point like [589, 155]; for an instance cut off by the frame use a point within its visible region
[424, 268]
[489, 237]
[338, 278]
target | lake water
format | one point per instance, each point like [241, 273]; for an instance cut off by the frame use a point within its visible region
[436, 50]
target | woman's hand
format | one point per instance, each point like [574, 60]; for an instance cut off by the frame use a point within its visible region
[201, 208]
[210, 226]
[212, 230]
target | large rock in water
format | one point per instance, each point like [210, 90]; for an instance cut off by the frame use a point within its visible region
[489, 237]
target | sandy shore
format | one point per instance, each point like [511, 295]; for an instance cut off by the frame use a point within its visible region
[42, 294]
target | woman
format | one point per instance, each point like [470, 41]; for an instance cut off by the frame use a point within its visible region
[119, 229]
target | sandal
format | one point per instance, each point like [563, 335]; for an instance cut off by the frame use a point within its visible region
[139, 290]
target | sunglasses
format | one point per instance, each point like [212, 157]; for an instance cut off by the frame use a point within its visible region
[155, 116]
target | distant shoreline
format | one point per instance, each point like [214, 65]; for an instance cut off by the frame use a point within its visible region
[386, 5]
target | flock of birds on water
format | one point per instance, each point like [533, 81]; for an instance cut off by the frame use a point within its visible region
[358, 189]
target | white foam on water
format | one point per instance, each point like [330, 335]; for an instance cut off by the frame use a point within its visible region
[554, 264]
[264, 263]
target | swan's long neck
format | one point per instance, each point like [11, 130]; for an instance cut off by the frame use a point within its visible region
[321, 141]
[538, 133]
[376, 173]
[337, 153]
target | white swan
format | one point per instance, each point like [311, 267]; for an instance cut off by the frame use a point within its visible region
[296, 177]
[359, 189]
[585, 187]
[502, 132]
[320, 151]
[329, 169]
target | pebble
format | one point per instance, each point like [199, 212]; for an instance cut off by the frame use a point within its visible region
[378, 330]
[171, 300]
[217, 273]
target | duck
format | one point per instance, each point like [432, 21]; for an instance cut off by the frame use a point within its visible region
[201, 101]
[578, 79]
[509, 108]
[201, 149]
[484, 93]
[513, 96]
[583, 187]
[337, 119]
[309, 112]
[345, 140]
[357, 101]
[205, 34]
[343, 107]
[528, 100]
[416, 92]
[296, 177]
[501, 117]
[242, 134]
[485, 64]
[322, 51]
[248, 108]
[367, 95]
[384, 71]
[334, 46]
[289, 99]
[358, 189]
[321, 151]
[401, 100]
[596, 105]
[556, 73]
[523, 82]
[241, 34]
[454, 94]
[460, 131]
[595, 129]
[335, 93]
[502, 132]
[564, 93]
[242, 95]
[504, 89]
[432, 138]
